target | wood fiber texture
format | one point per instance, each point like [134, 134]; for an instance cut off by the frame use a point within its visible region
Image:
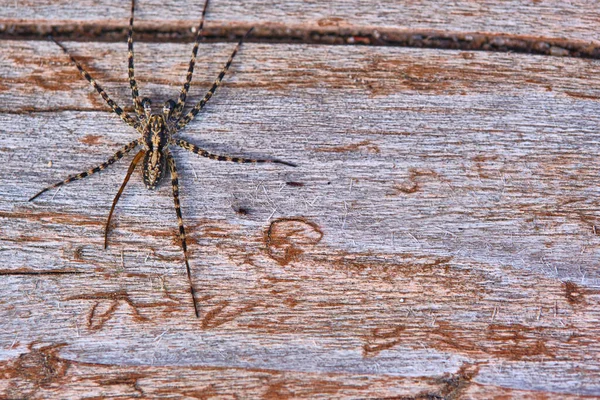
[440, 237]
[572, 20]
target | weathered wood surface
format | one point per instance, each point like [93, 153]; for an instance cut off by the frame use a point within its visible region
[549, 27]
[439, 237]
[574, 19]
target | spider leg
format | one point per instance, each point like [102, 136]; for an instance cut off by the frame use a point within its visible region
[134, 162]
[118, 110]
[175, 183]
[201, 152]
[132, 82]
[186, 86]
[194, 111]
[117, 156]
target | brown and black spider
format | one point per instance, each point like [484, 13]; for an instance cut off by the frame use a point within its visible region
[157, 133]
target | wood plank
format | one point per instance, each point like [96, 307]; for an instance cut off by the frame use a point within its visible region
[574, 20]
[438, 237]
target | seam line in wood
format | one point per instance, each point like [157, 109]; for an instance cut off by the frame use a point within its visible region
[278, 33]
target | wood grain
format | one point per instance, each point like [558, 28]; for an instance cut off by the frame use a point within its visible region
[553, 27]
[439, 237]
[575, 19]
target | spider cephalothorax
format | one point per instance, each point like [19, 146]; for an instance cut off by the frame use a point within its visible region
[157, 131]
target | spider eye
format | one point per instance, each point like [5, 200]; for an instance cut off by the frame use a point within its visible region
[169, 105]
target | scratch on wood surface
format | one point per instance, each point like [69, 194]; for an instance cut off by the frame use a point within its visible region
[24, 271]
[286, 238]
[216, 316]
[128, 381]
[102, 311]
[52, 217]
[414, 182]
[382, 339]
[365, 144]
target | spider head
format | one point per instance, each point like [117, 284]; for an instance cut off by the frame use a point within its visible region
[168, 108]
[147, 104]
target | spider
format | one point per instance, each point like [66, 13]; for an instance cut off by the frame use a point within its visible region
[158, 131]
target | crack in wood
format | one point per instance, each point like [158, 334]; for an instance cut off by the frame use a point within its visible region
[309, 34]
[20, 272]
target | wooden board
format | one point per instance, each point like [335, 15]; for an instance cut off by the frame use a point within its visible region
[439, 237]
[550, 27]
[553, 18]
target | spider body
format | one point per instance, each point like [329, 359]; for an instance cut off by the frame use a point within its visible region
[157, 132]
[156, 138]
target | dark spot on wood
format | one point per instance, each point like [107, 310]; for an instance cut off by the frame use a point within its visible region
[295, 184]
[287, 238]
[454, 385]
[78, 254]
[241, 209]
[290, 302]
[573, 293]
[39, 368]
[91, 139]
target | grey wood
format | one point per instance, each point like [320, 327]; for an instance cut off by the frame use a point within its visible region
[438, 237]
[575, 19]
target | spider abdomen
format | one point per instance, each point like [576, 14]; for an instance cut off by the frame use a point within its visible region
[154, 165]
[155, 140]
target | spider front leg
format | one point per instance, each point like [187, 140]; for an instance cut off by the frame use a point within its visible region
[117, 110]
[194, 111]
[188, 79]
[201, 152]
[116, 157]
[137, 103]
[175, 183]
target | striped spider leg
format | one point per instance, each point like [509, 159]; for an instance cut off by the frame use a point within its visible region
[157, 131]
